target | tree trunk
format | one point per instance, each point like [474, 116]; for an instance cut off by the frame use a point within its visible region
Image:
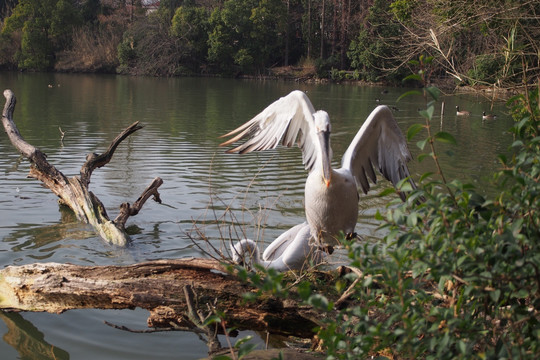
[74, 191]
[172, 290]
[322, 28]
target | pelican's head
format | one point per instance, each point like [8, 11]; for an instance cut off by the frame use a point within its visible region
[322, 125]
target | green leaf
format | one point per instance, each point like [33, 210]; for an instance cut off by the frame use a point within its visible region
[368, 280]
[211, 320]
[249, 296]
[409, 93]
[462, 347]
[242, 341]
[413, 77]
[387, 191]
[412, 220]
[495, 295]
[319, 301]
[426, 174]
[433, 92]
[427, 113]
[421, 144]
[413, 130]
[304, 290]
[419, 268]
[421, 157]
[445, 137]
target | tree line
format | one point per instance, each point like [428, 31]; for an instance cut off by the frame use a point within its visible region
[472, 42]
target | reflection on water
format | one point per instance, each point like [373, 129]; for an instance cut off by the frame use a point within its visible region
[27, 340]
[256, 195]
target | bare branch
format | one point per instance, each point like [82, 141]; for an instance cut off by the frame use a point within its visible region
[73, 192]
[94, 161]
[126, 210]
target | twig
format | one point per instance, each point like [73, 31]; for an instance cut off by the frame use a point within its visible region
[197, 319]
[350, 290]
[94, 160]
[62, 133]
[36, 157]
[147, 331]
[126, 210]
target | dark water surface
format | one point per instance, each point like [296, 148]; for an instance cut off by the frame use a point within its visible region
[182, 120]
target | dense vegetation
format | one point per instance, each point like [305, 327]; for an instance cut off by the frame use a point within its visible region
[489, 42]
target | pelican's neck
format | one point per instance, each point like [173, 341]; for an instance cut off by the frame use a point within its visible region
[325, 157]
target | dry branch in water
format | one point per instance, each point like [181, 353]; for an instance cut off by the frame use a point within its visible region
[73, 192]
[158, 286]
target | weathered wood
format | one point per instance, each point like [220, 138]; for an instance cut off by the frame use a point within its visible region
[127, 210]
[158, 286]
[74, 191]
[94, 160]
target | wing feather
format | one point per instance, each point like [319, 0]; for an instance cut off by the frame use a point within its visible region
[284, 241]
[287, 121]
[379, 143]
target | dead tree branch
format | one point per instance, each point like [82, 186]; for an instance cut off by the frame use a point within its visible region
[126, 210]
[94, 160]
[159, 286]
[73, 192]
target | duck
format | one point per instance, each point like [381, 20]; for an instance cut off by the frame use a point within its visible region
[462, 112]
[488, 116]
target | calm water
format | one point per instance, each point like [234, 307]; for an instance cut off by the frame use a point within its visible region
[182, 120]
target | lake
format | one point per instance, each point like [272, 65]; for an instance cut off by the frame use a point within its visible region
[205, 190]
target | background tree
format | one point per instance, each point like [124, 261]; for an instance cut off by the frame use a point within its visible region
[374, 51]
[246, 34]
[485, 42]
[43, 27]
[480, 44]
[190, 27]
[148, 48]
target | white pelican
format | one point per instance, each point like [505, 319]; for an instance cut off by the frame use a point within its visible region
[462, 112]
[290, 251]
[331, 195]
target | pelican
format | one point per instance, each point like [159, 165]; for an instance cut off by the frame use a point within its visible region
[462, 112]
[488, 116]
[290, 251]
[331, 195]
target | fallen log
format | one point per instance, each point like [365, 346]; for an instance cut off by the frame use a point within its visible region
[171, 290]
[74, 192]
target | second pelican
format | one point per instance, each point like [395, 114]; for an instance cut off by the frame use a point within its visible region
[331, 195]
[290, 251]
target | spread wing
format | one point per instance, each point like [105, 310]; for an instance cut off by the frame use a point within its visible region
[379, 143]
[288, 120]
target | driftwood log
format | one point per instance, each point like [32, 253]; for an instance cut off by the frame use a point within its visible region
[74, 191]
[178, 293]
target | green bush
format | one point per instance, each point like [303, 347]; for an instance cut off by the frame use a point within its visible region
[487, 68]
[126, 52]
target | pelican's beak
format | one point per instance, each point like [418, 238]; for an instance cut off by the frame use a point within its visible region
[326, 157]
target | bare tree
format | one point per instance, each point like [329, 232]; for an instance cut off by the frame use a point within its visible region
[74, 192]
